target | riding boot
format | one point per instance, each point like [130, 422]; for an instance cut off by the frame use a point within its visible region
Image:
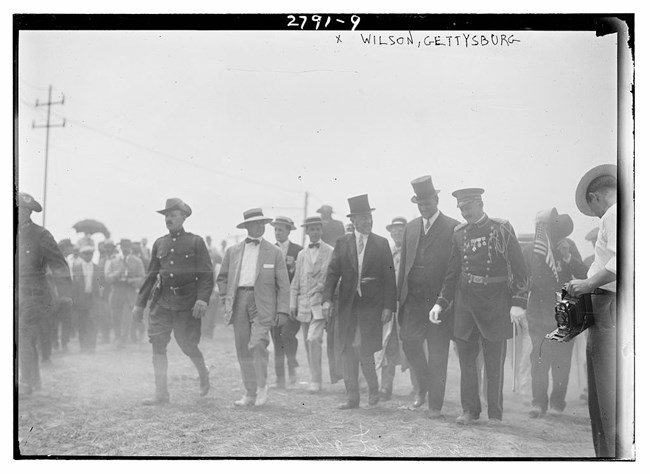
[160, 375]
[204, 375]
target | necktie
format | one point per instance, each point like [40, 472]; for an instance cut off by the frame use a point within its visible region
[314, 246]
[360, 246]
[427, 226]
[252, 241]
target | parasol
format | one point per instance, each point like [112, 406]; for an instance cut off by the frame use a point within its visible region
[91, 226]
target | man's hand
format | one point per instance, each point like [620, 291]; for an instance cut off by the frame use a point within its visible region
[327, 310]
[386, 314]
[579, 287]
[518, 315]
[293, 315]
[200, 307]
[565, 250]
[137, 314]
[281, 319]
[434, 314]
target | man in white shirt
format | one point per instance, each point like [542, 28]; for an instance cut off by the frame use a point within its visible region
[596, 196]
[85, 282]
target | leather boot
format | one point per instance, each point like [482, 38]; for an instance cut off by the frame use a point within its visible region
[204, 375]
[160, 375]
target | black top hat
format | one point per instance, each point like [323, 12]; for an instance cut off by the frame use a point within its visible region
[396, 221]
[26, 200]
[468, 195]
[176, 203]
[423, 187]
[253, 215]
[359, 205]
[282, 220]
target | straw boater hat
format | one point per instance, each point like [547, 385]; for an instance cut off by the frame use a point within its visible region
[253, 215]
[423, 187]
[282, 220]
[468, 195]
[396, 221]
[359, 205]
[176, 203]
[587, 179]
[26, 200]
[312, 220]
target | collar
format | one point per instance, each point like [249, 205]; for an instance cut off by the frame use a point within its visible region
[320, 242]
[284, 244]
[611, 210]
[433, 218]
[25, 224]
[482, 220]
[357, 234]
[177, 233]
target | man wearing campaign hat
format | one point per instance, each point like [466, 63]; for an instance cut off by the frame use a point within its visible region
[363, 264]
[36, 251]
[332, 229]
[254, 288]
[179, 281]
[86, 285]
[488, 283]
[596, 196]
[285, 343]
[425, 255]
[553, 260]
[307, 296]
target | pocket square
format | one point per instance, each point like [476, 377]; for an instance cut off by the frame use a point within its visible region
[269, 265]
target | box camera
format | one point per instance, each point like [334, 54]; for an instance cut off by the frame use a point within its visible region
[573, 315]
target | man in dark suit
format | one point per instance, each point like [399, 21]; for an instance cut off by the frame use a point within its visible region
[425, 255]
[86, 287]
[363, 263]
[285, 343]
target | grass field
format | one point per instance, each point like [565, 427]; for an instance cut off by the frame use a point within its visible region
[90, 406]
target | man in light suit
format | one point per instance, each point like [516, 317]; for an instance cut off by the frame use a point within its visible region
[254, 287]
[307, 295]
[363, 263]
[86, 288]
[423, 265]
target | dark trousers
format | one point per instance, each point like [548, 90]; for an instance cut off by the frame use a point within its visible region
[251, 341]
[87, 323]
[601, 375]
[354, 355]
[31, 310]
[186, 329]
[556, 358]
[430, 372]
[45, 329]
[494, 356]
[334, 357]
[285, 345]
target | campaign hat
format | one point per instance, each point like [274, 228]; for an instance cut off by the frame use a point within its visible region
[176, 203]
[26, 200]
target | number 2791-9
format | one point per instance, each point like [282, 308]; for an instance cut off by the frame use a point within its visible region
[318, 19]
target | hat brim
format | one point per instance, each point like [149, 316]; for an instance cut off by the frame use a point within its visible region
[265, 220]
[311, 223]
[581, 190]
[389, 227]
[187, 210]
[291, 227]
[415, 199]
[360, 213]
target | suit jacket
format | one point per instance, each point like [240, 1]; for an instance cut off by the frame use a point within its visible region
[308, 285]
[79, 282]
[271, 281]
[332, 230]
[377, 287]
[292, 255]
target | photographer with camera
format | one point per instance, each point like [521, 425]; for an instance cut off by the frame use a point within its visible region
[596, 196]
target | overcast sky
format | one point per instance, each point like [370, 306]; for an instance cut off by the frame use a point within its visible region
[233, 120]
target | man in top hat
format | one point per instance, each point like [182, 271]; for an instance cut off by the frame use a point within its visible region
[36, 250]
[553, 262]
[425, 255]
[307, 297]
[285, 343]
[332, 229]
[591, 237]
[363, 264]
[488, 283]
[86, 286]
[254, 287]
[179, 281]
[596, 196]
[125, 274]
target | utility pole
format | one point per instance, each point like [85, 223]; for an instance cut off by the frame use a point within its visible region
[304, 218]
[47, 127]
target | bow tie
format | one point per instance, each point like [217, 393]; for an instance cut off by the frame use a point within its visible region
[314, 246]
[252, 241]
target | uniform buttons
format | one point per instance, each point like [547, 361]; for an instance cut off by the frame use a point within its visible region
[171, 263]
[171, 250]
[171, 274]
[187, 256]
[28, 251]
[173, 239]
[196, 278]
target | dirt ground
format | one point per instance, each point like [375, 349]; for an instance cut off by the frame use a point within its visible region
[90, 406]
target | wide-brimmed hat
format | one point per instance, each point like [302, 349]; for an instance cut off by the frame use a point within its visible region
[561, 225]
[581, 190]
[108, 244]
[126, 242]
[253, 215]
[283, 220]
[396, 221]
[26, 200]
[325, 208]
[312, 220]
[466, 195]
[592, 235]
[87, 249]
[359, 205]
[176, 203]
[424, 189]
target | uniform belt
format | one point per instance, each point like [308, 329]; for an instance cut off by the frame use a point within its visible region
[181, 290]
[481, 280]
[600, 291]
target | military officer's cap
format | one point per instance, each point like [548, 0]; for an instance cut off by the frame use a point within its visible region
[396, 221]
[312, 220]
[282, 220]
[26, 200]
[176, 203]
[468, 195]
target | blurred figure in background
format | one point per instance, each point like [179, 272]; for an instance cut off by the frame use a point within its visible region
[146, 251]
[591, 237]
[137, 251]
[86, 288]
[36, 250]
[209, 321]
[332, 229]
[107, 250]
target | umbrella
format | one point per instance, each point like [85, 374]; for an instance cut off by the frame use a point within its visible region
[91, 226]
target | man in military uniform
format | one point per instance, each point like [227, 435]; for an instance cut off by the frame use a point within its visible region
[36, 251]
[181, 278]
[488, 283]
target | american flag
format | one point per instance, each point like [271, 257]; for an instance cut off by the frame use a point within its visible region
[542, 246]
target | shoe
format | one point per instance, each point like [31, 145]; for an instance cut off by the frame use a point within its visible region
[156, 401]
[384, 394]
[348, 405]
[373, 399]
[494, 422]
[262, 396]
[420, 399]
[280, 384]
[293, 377]
[556, 410]
[314, 387]
[434, 414]
[245, 401]
[466, 419]
[536, 413]
[204, 383]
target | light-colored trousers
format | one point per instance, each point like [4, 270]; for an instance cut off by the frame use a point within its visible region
[313, 336]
